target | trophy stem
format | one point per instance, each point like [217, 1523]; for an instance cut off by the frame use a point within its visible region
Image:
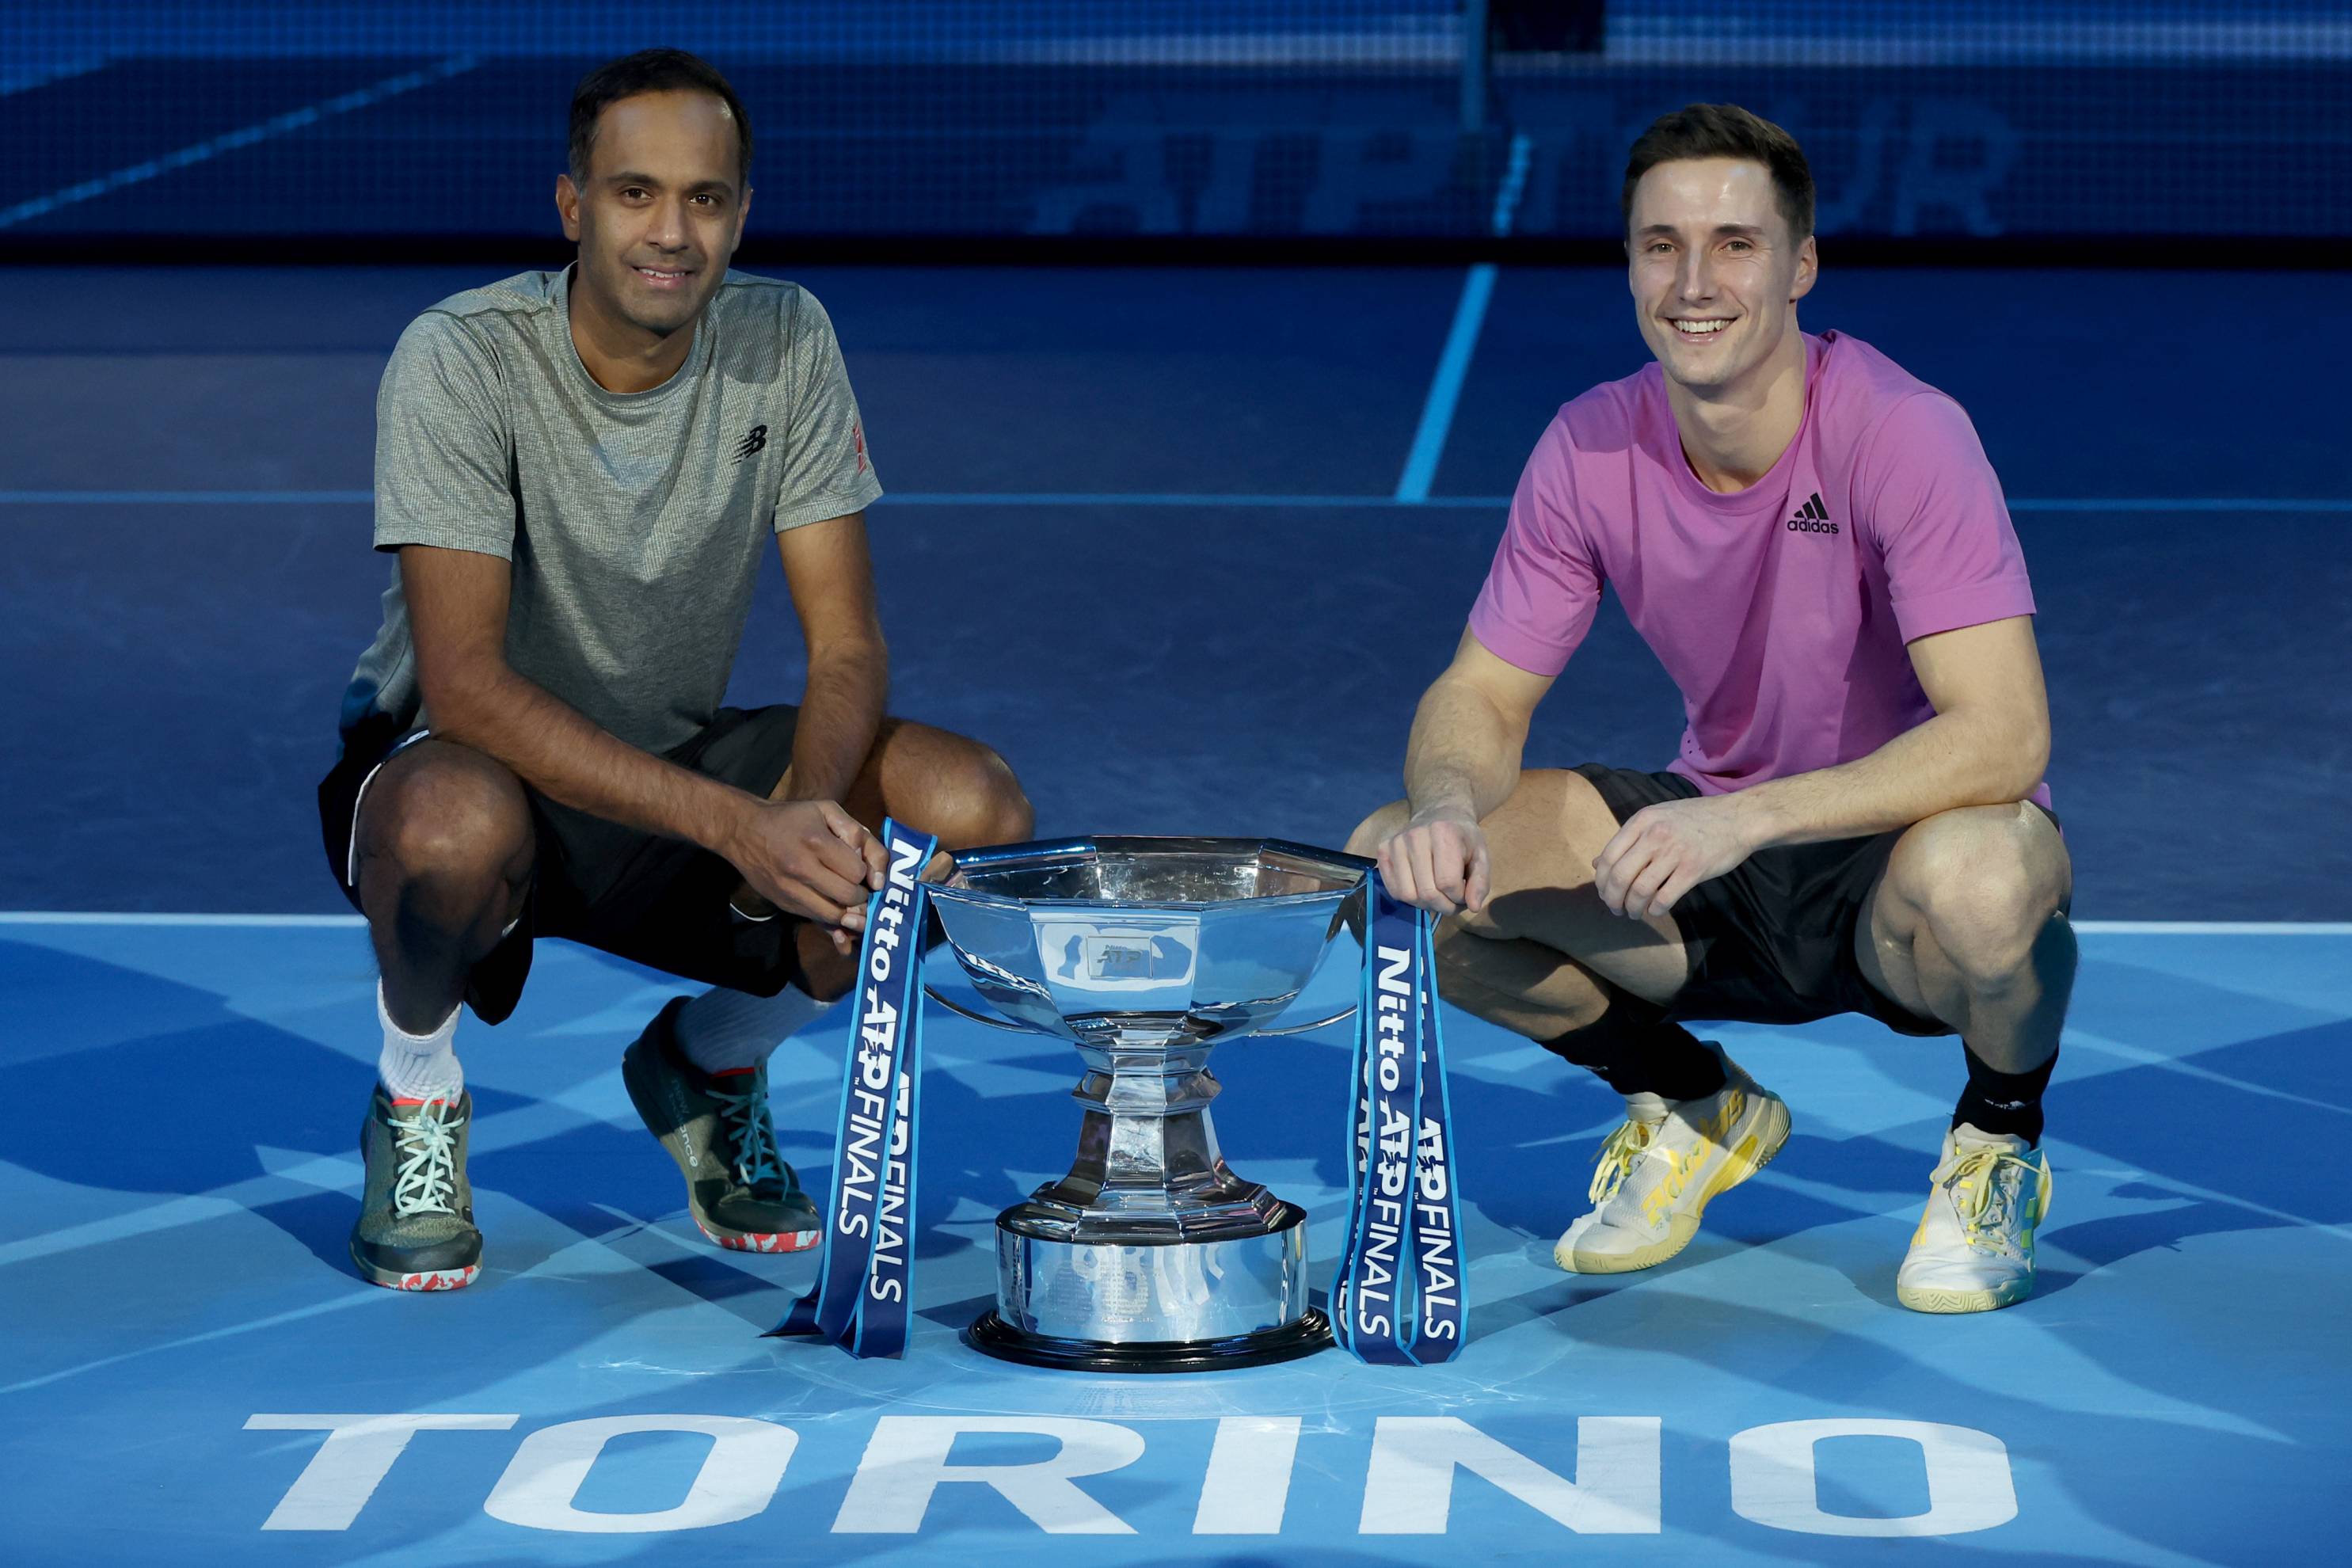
[1148, 1167]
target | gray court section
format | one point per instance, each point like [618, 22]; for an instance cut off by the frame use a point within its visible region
[635, 522]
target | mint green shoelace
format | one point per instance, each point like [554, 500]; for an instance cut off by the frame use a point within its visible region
[427, 1176]
[751, 1133]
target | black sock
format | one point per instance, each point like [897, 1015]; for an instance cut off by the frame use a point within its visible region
[1634, 1050]
[2004, 1102]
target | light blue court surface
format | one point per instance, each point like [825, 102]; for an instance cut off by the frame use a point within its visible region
[194, 1376]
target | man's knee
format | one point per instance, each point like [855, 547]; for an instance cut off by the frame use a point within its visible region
[448, 828]
[1379, 828]
[1464, 948]
[971, 797]
[826, 973]
[1516, 985]
[1986, 883]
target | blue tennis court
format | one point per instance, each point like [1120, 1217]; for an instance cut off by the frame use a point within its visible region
[194, 1359]
[1184, 543]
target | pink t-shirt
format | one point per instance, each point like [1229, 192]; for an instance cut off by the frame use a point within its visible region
[1781, 610]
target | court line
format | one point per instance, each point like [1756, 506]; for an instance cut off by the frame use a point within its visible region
[1445, 385]
[135, 918]
[2091, 928]
[2082, 1039]
[244, 136]
[2316, 504]
[2214, 928]
[1461, 341]
[31, 77]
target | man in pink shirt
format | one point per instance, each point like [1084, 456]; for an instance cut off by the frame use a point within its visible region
[1812, 543]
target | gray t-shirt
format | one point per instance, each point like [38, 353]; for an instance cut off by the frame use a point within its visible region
[635, 523]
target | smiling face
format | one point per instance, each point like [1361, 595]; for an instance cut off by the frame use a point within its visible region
[659, 210]
[1714, 272]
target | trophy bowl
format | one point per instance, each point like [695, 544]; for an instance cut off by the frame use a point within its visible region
[1151, 1255]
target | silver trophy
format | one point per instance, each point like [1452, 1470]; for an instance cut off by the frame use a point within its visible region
[1151, 1255]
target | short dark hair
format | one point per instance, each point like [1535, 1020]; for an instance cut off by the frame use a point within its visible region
[650, 70]
[1726, 130]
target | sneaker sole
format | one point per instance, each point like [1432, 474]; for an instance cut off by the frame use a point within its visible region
[1921, 1298]
[756, 1241]
[1681, 1227]
[425, 1280]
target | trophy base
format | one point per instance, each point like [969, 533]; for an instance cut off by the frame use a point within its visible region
[991, 1335]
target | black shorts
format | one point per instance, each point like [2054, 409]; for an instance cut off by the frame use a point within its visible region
[653, 900]
[1772, 940]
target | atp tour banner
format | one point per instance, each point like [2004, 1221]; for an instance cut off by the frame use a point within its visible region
[2240, 131]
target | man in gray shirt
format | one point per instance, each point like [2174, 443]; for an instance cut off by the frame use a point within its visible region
[578, 471]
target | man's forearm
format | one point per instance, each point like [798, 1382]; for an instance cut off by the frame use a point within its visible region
[569, 758]
[1464, 754]
[1955, 759]
[841, 712]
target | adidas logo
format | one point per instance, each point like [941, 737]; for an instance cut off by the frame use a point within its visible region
[1813, 517]
[753, 440]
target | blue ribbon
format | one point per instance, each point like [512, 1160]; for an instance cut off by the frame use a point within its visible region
[865, 1273]
[1437, 1212]
[1397, 1296]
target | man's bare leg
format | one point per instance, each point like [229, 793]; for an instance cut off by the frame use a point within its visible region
[445, 849]
[1967, 925]
[935, 780]
[1545, 958]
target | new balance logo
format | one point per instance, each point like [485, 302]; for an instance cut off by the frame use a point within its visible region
[756, 440]
[1813, 517]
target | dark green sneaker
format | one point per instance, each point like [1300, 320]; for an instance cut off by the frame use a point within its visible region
[415, 1229]
[716, 1126]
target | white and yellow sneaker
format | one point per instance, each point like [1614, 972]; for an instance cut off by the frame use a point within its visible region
[1974, 1248]
[1656, 1173]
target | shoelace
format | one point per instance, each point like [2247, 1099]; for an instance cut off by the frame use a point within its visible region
[1618, 1155]
[1985, 1194]
[751, 1133]
[427, 1176]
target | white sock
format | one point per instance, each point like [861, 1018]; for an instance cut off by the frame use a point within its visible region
[733, 1031]
[419, 1066]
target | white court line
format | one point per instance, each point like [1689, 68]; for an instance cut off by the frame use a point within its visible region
[1461, 341]
[335, 1303]
[102, 918]
[230, 140]
[2323, 505]
[2092, 928]
[2214, 928]
[25, 80]
[2082, 1039]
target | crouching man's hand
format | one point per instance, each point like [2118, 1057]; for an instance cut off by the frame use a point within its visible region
[805, 857]
[1663, 851]
[1437, 861]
